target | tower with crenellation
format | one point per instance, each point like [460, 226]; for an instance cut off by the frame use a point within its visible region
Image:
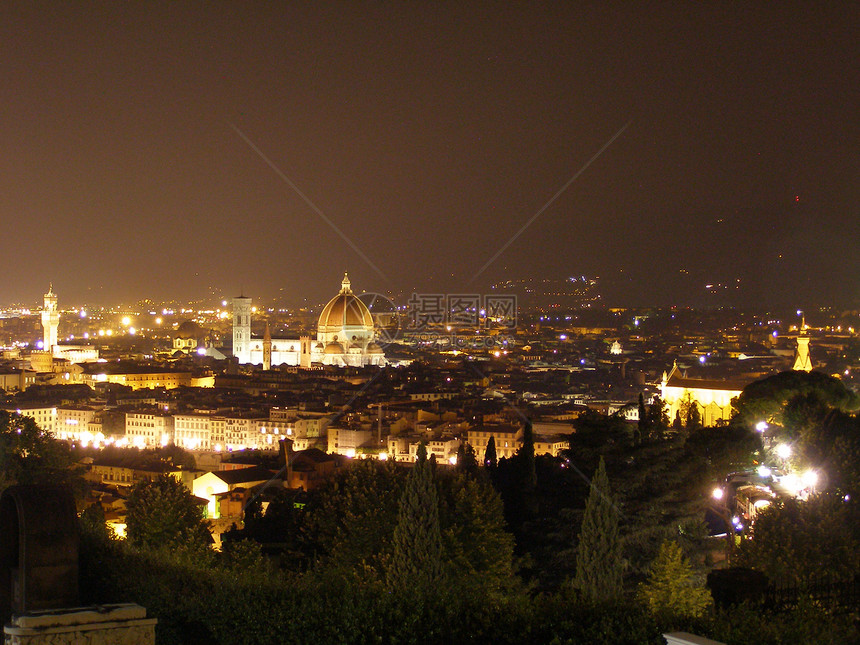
[50, 321]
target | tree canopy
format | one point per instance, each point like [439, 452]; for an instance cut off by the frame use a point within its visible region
[164, 513]
[797, 540]
[767, 398]
[671, 588]
[29, 455]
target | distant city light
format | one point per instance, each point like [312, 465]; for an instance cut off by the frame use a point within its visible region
[126, 321]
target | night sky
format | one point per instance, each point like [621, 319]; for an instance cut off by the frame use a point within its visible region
[180, 150]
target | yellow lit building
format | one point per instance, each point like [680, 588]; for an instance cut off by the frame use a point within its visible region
[508, 439]
[148, 429]
[713, 397]
[142, 377]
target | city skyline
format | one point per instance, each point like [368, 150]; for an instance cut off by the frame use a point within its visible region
[158, 151]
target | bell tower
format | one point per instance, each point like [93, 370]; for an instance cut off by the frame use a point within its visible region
[242, 329]
[50, 320]
[267, 349]
[802, 360]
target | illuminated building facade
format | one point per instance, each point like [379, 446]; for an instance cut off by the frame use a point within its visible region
[148, 429]
[44, 416]
[713, 397]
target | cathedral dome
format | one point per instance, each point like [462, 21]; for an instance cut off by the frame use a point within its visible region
[345, 310]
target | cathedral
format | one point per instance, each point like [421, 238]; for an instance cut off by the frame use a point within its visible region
[345, 336]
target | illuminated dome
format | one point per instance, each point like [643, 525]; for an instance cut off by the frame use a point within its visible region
[345, 312]
[345, 332]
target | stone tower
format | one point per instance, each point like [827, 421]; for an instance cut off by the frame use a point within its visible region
[802, 360]
[242, 329]
[267, 348]
[50, 320]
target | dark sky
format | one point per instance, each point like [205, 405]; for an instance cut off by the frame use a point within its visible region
[133, 137]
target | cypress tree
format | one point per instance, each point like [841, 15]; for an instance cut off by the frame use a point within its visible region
[598, 557]
[642, 425]
[416, 558]
[490, 459]
[467, 460]
[658, 420]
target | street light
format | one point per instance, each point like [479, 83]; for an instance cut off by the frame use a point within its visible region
[809, 479]
[783, 451]
[720, 508]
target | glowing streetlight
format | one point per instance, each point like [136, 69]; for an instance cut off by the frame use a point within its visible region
[126, 321]
[809, 479]
[718, 493]
[783, 450]
[761, 426]
[764, 471]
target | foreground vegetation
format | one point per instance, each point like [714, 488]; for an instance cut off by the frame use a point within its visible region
[604, 545]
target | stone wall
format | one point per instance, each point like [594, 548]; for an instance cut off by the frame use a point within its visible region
[123, 624]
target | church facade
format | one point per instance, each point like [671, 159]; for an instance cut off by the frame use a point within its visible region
[345, 336]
